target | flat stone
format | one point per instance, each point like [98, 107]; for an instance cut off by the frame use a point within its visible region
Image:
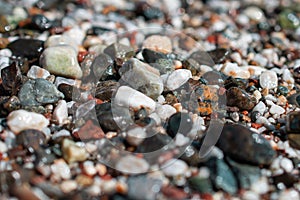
[240, 98]
[89, 131]
[27, 48]
[20, 120]
[268, 79]
[62, 61]
[158, 43]
[132, 165]
[275, 109]
[142, 77]
[260, 107]
[38, 92]
[245, 146]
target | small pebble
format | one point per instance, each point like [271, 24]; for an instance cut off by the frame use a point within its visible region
[158, 43]
[178, 78]
[275, 109]
[174, 167]
[60, 113]
[268, 79]
[132, 165]
[37, 72]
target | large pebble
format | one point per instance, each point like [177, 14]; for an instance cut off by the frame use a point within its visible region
[178, 78]
[61, 60]
[20, 120]
[174, 167]
[39, 92]
[142, 77]
[128, 97]
[275, 109]
[59, 40]
[158, 43]
[72, 152]
[268, 79]
[28, 48]
[243, 145]
[240, 98]
[132, 165]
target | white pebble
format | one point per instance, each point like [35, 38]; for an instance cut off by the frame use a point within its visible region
[132, 165]
[68, 186]
[178, 78]
[260, 107]
[254, 13]
[89, 168]
[165, 111]
[249, 195]
[37, 72]
[268, 79]
[61, 169]
[3, 147]
[287, 165]
[181, 140]
[275, 109]
[288, 77]
[232, 69]
[60, 113]
[129, 97]
[20, 120]
[6, 52]
[261, 186]
[290, 194]
[174, 167]
[136, 136]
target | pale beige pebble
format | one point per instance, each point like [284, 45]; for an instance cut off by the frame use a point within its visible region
[60, 113]
[108, 186]
[286, 164]
[37, 72]
[89, 168]
[68, 186]
[253, 70]
[249, 195]
[130, 164]
[281, 100]
[91, 41]
[59, 40]
[261, 186]
[232, 69]
[255, 13]
[275, 109]
[101, 169]
[60, 169]
[257, 95]
[72, 152]
[177, 78]
[158, 43]
[174, 167]
[61, 61]
[20, 120]
[236, 57]
[3, 147]
[135, 136]
[94, 190]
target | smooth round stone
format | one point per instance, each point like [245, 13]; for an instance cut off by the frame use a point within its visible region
[178, 78]
[260, 107]
[58, 40]
[75, 34]
[158, 43]
[40, 22]
[288, 77]
[245, 146]
[254, 13]
[268, 79]
[61, 169]
[20, 120]
[179, 123]
[62, 61]
[27, 48]
[174, 167]
[38, 92]
[132, 165]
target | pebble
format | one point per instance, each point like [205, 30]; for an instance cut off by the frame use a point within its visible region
[288, 19]
[158, 43]
[243, 145]
[3, 147]
[174, 167]
[275, 109]
[119, 52]
[37, 72]
[128, 97]
[101, 64]
[31, 138]
[290, 194]
[38, 92]
[287, 165]
[142, 77]
[240, 98]
[61, 169]
[260, 107]
[62, 61]
[178, 78]
[26, 48]
[135, 136]
[268, 79]
[179, 123]
[254, 13]
[165, 111]
[60, 40]
[130, 164]
[72, 152]
[232, 69]
[20, 120]
[288, 77]
[89, 168]
[261, 186]
[68, 186]
[60, 113]
[89, 131]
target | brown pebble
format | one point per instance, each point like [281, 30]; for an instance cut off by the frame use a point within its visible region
[3, 43]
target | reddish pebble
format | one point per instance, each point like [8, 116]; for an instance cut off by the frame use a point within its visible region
[89, 131]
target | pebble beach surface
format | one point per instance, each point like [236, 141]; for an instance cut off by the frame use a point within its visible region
[149, 99]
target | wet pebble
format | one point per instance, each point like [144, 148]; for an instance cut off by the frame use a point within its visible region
[27, 48]
[243, 145]
[20, 120]
[240, 98]
[179, 123]
[37, 72]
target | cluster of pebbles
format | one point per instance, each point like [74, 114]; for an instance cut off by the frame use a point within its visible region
[114, 99]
